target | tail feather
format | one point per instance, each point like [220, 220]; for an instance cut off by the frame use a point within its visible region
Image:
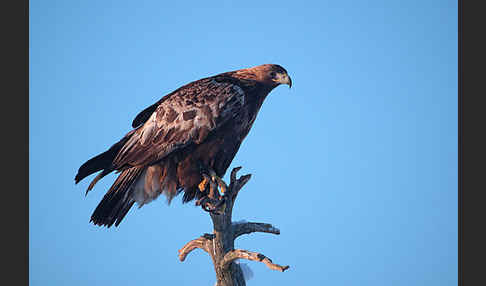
[93, 165]
[97, 178]
[123, 212]
[102, 161]
[118, 200]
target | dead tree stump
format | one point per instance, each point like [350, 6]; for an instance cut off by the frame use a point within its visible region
[220, 244]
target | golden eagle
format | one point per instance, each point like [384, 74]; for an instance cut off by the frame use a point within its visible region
[193, 131]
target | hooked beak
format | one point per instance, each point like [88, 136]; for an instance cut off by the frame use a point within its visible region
[284, 79]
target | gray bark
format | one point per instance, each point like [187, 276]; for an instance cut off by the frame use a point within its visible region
[220, 244]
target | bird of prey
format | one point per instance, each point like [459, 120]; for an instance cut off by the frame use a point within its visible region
[188, 136]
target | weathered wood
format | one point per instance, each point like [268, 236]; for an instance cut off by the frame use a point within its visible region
[220, 244]
[249, 227]
[201, 242]
[250, 255]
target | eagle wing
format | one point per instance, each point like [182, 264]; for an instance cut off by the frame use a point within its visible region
[187, 115]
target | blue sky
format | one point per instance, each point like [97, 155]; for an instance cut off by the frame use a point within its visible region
[356, 164]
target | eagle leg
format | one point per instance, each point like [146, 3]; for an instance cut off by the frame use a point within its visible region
[221, 184]
[208, 175]
[213, 201]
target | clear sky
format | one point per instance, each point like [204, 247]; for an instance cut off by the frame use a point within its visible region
[356, 164]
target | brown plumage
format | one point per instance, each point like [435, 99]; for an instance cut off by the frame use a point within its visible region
[198, 126]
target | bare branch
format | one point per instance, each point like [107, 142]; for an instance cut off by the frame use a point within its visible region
[233, 174]
[200, 242]
[249, 227]
[220, 245]
[242, 181]
[250, 255]
[237, 184]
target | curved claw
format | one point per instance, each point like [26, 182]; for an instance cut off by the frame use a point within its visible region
[205, 208]
[211, 206]
[203, 202]
[200, 201]
[212, 201]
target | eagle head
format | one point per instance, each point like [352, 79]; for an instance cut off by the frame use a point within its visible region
[268, 74]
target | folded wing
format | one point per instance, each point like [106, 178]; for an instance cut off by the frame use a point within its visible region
[187, 115]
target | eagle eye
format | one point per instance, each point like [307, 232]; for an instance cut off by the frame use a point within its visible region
[273, 74]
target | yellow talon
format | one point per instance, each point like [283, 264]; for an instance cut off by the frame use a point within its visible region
[222, 185]
[214, 179]
[202, 184]
[212, 201]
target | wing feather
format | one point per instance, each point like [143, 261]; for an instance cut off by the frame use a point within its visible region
[187, 115]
